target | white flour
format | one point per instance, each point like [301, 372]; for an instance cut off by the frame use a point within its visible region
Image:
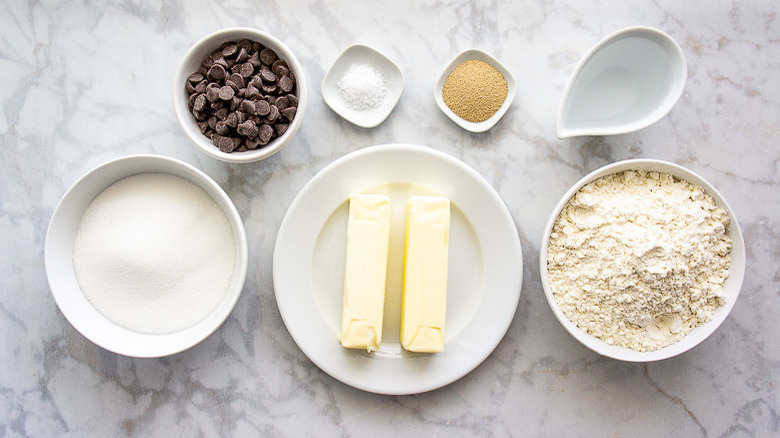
[639, 259]
[154, 253]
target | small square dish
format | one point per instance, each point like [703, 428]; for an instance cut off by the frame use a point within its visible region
[362, 86]
[478, 55]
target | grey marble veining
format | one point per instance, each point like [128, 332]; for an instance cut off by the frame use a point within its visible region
[87, 82]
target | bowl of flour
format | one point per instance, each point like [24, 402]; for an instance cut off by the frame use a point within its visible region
[642, 260]
[146, 256]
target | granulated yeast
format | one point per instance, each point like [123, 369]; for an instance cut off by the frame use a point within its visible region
[639, 259]
[475, 90]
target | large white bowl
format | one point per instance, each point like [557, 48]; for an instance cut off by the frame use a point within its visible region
[191, 63]
[58, 259]
[731, 287]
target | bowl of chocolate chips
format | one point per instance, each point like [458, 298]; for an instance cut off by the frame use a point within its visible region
[239, 94]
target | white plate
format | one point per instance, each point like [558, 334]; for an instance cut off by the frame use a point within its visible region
[485, 268]
[394, 81]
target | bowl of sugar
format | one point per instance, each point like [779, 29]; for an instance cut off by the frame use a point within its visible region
[642, 260]
[145, 256]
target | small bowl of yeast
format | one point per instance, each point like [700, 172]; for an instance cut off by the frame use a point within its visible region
[145, 256]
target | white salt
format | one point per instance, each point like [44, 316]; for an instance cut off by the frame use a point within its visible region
[154, 253]
[362, 87]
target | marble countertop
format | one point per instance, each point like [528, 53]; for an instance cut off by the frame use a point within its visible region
[86, 83]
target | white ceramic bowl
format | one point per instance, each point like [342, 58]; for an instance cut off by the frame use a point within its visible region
[486, 58]
[58, 259]
[394, 81]
[191, 62]
[626, 82]
[731, 287]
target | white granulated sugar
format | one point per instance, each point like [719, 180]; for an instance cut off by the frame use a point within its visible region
[154, 253]
[362, 87]
[638, 259]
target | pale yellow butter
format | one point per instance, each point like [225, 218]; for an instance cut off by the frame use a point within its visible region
[368, 235]
[424, 299]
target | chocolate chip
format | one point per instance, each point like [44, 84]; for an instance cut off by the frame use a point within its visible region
[191, 101]
[212, 92]
[232, 85]
[229, 50]
[247, 106]
[226, 93]
[200, 115]
[288, 113]
[273, 114]
[242, 56]
[232, 120]
[200, 103]
[207, 62]
[248, 129]
[267, 75]
[212, 122]
[245, 44]
[222, 127]
[268, 88]
[280, 70]
[246, 69]
[262, 108]
[195, 78]
[225, 144]
[217, 104]
[217, 72]
[268, 56]
[201, 87]
[266, 131]
[238, 79]
[221, 61]
[234, 103]
[281, 128]
[204, 126]
[282, 102]
[251, 92]
[254, 59]
[286, 84]
[293, 99]
[190, 88]
[222, 113]
[251, 144]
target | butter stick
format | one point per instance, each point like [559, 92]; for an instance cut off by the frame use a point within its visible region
[368, 235]
[424, 299]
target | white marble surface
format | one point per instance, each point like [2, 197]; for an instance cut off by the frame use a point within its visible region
[84, 83]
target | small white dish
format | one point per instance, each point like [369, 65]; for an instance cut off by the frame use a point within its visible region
[361, 54]
[484, 278]
[731, 288]
[58, 260]
[488, 59]
[627, 81]
[192, 61]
